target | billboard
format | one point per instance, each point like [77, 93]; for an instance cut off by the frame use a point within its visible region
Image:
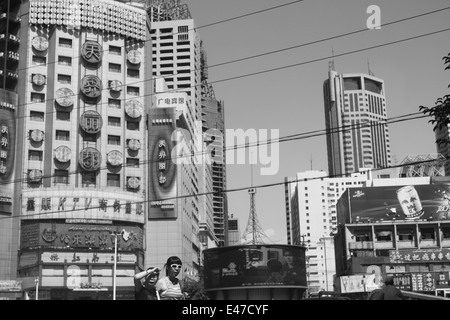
[419, 255]
[255, 265]
[391, 203]
[8, 102]
[162, 168]
[64, 235]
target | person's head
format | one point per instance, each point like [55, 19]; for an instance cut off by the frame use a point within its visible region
[152, 277]
[389, 280]
[173, 266]
[288, 256]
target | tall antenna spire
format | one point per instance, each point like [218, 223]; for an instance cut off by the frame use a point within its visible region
[368, 68]
[254, 233]
[331, 63]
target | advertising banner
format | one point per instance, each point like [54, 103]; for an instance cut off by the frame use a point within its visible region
[410, 203]
[62, 235]
[8, 102]
[419, 255]
[162, 168]
[255, 265]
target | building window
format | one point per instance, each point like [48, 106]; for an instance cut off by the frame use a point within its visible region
[64, 79]
[64, 61]
[133, 91]
[114, 140]
[115, 50]
[133, 73]
[36, 116]
[37, 97]
[63, 115]
[114, 103]
[89, 179]
[61, 176]
[34, 155]
[113, 180]
[37, 60]
[427, 234]
[114, 121]
[133, 125]
[132, 163]
[62, 135]
[65, 43]
[405, 234]
[114, 67]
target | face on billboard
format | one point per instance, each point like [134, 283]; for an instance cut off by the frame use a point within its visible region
[390, 203]
[258, 265]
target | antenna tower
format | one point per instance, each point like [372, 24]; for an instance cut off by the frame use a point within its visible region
[254, 233]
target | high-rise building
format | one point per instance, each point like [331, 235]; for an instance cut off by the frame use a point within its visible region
[79, 147]
[311, 218]
[356, 123]
[178, 60]
[213, 125]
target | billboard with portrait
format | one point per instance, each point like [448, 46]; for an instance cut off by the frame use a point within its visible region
[403, 202]
[255, 265]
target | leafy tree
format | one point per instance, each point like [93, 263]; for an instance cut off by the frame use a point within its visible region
[440, 113]
[194, 289]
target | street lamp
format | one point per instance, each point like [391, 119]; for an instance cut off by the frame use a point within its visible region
[36, 281]
[115, 261]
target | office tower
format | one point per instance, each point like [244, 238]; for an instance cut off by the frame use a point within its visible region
[311, 218]
[355, 119]
[81, 142]
[213, 125]
[177, 60]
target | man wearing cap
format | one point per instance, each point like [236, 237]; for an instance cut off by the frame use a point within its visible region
[144, 284]
[390, 292]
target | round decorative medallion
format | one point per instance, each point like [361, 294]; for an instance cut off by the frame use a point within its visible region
[134, 56]
[115, 85]
[92, 51]
[115, 158]
[90, 159]
[64, 97]
[134, 144]
[91, 121]
[37, 135]
[91, 86]
[38, 79]
[35, 175]
[63, 154]
[133, 182]
[134, 109]
[40, 43]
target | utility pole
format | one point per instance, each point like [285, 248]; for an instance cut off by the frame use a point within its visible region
[115, 262]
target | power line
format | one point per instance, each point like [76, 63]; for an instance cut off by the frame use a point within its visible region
[25, 217]
[256, 56]
[299, 136]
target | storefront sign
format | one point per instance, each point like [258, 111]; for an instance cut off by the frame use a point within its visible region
[91, 121]
[90, 159]
[60, 235]
[92, 51]
[422, 255]
[54, 257]
[91, 86]
[10, 286]
[423, 282]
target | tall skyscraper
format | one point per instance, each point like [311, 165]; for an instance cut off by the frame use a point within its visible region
[355, 119]
[178, 58]
[80, 143]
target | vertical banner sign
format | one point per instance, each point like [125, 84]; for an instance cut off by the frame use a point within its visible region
[8, 102]
[162, 168]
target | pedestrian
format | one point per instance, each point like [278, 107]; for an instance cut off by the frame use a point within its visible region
[144, 284]
[390, 291]
[170, 287]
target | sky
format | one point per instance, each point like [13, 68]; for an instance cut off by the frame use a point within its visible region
[290, 97]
